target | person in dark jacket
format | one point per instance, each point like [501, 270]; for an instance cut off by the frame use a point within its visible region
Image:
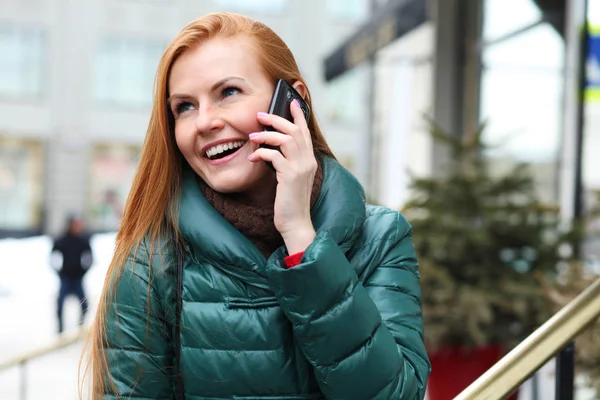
[71, 257]
[234, 281]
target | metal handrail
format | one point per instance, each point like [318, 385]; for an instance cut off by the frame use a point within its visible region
[524, 360]
[66, 339]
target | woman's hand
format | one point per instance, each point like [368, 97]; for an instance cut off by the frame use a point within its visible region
[295, 170]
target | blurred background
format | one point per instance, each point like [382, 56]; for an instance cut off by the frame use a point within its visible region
[76, 81]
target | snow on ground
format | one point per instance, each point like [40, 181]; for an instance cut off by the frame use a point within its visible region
[28, 291]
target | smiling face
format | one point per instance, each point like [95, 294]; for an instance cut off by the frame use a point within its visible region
[215, 91]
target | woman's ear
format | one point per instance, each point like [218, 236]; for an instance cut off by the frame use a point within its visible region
[301, 89]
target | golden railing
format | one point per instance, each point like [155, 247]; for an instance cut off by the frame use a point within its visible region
[21, 361]
[524, 360]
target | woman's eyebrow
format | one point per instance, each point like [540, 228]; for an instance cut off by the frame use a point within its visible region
[224, 80]
[179, 96]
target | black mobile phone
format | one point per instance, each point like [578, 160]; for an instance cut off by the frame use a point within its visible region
[283, 95]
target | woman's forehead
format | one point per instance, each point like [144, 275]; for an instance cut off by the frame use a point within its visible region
[216, 58]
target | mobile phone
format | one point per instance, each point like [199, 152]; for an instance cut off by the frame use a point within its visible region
[283, 95]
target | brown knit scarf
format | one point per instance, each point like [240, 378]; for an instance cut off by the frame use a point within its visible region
[254, 221]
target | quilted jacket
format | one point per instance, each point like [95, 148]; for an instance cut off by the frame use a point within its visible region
[345, 323]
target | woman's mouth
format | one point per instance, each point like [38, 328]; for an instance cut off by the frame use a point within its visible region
[224, 152]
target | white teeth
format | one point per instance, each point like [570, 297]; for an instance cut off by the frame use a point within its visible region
[213, 151]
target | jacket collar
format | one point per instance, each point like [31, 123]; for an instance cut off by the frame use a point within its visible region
[339, 209]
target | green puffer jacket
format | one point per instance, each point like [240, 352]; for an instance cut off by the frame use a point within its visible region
[345, 323]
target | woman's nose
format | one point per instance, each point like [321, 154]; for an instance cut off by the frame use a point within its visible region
[208, 120]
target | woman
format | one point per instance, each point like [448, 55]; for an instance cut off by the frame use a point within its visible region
[231, 281]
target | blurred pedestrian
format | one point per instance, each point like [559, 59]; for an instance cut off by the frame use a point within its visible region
[234, 278]
[71, 257]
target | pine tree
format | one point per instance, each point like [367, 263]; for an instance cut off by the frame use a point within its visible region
[483, 240]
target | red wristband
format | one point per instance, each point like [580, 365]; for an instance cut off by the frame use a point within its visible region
[293, 260]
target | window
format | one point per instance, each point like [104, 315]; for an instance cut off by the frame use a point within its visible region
[522, 92]
[344, 96]
[593, 12]
[254, 6]
[348, 9]
[125, 70]
[21, 61]
[503, 17]
[20, 184]
[111, 175]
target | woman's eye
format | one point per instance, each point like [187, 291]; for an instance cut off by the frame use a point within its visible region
[183, 107]
[230, 91]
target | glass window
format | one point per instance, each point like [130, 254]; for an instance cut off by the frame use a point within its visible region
[21, 61]
[125, 70]
[345, 96]
[593, 12]
[503, 17]
[521, 101]
[539, 48]
[254, 6]
[348, 9]
[20, 184]
[112, 172]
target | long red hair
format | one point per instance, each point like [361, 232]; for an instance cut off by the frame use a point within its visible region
[151, 208]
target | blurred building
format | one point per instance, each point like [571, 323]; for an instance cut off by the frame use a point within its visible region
[460, 63]
[521, 67]
[76, 81]
[75, 93]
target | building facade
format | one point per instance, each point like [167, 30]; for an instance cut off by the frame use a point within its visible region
[76, 82]
[501, 63]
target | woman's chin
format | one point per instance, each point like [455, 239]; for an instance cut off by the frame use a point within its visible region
[259, 184]
[234, 180]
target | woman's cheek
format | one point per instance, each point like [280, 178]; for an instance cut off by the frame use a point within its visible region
[181, 142]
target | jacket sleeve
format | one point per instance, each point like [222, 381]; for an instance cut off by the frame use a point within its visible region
[364, 339]
[138, 346]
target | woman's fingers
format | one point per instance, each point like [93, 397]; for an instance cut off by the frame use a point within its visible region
[292, 138]
[286, 142]
[265, 154]
[300, 121]
[282, 125]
